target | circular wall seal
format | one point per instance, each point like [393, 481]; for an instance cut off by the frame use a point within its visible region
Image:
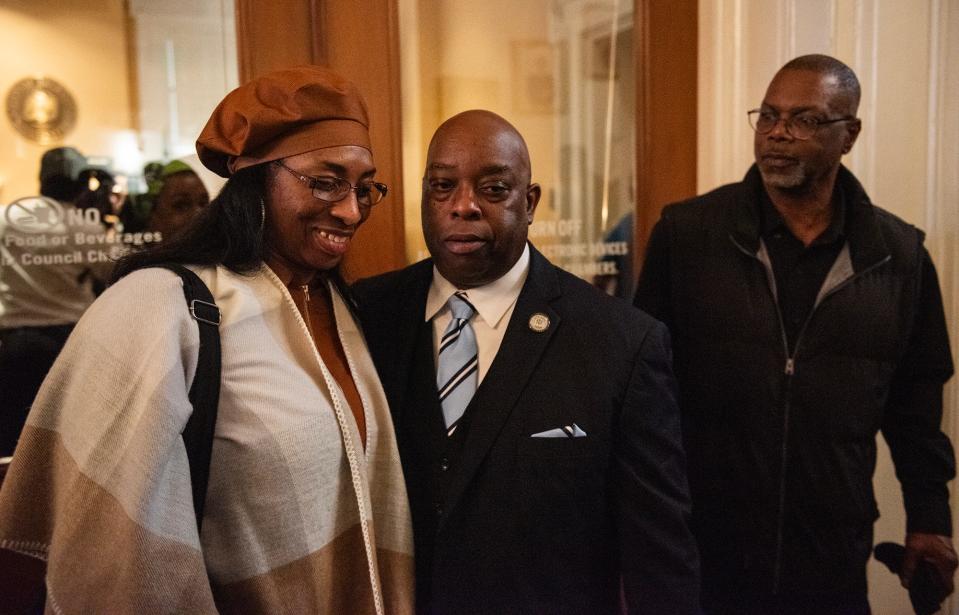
[41, 109]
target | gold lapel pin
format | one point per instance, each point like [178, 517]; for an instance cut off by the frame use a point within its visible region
[539, 322]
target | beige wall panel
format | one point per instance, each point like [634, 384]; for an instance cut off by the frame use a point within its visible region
[942, 190]
[82, 44]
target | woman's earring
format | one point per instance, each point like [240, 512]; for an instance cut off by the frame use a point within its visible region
[262, 214]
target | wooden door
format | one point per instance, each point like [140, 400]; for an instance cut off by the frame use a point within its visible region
[666, 82]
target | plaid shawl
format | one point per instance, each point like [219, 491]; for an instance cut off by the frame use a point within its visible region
[299, 519]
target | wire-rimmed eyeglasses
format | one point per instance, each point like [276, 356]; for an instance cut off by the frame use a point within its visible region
[334, 189]
[801, 126]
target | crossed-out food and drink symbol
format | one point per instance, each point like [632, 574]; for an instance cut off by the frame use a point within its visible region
[34, 214]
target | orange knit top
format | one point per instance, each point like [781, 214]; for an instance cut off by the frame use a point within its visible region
[316, 306]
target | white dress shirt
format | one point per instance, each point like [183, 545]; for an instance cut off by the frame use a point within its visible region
[494, 305]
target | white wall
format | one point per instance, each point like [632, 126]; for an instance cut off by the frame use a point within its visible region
[905, 53]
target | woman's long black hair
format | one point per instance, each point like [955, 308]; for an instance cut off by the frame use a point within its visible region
[228, 232]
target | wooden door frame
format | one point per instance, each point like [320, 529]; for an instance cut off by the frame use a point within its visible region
[665, 58]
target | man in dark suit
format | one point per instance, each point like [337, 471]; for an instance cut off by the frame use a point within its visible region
[536, 417]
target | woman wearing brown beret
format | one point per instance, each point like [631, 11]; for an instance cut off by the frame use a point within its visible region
[306, 510]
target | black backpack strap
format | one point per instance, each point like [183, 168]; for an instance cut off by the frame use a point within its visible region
[205, 393]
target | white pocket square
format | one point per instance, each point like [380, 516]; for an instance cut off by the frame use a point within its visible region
[568, 431]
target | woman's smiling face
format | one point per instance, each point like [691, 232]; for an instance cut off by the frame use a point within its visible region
[306, 234]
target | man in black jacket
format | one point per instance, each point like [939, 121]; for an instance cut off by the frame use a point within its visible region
[557, 483]
[804, 320]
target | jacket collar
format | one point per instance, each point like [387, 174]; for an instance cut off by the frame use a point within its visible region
[867, 245]
[543, 279]
[491, 300]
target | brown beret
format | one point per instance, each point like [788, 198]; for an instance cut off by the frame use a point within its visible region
[280, 114]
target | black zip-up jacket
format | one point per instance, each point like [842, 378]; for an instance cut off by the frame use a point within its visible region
[782, 447]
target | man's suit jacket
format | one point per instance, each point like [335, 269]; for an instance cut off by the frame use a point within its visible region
[542, 525]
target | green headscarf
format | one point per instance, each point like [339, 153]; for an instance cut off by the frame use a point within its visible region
[173, 167]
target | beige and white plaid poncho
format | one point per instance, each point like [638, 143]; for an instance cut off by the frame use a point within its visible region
[299, 519]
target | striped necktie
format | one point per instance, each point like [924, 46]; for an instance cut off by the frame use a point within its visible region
[456, 373]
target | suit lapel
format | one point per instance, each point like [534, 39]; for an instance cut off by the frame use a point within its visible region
[410, 309]
[514, 365]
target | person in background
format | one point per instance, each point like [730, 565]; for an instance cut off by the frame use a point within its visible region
[180, 197]
[44, 288]
[135, 214]
[805, 319]
[306, 510]
[99, 190]
[536, 416]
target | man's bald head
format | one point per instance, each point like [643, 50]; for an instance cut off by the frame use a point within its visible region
[845, 84]
[480, 125]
